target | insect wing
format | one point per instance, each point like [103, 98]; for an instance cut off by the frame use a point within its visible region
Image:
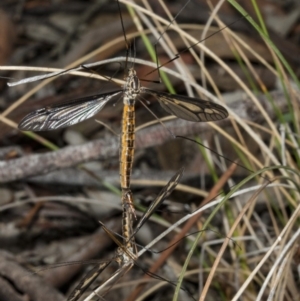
[88, 280]
[65, 114]
[189, 108]
[165, 192]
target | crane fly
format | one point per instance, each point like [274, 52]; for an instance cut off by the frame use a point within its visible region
[66, 114]
[70, 113]
[126, 253]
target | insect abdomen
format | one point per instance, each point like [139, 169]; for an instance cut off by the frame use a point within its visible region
[127, 145]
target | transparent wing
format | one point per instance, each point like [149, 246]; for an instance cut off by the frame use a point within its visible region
[65, 114]
[189, 108]
[165, 192]
[88, 279]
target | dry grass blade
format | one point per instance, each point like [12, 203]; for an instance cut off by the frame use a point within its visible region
[242, 68]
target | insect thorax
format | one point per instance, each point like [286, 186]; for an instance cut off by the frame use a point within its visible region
[132, 87]
[122, 257]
